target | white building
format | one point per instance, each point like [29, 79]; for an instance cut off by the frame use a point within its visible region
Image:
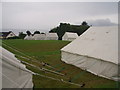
[96, 51]
[68, 36]
[51, 36]
[5, 35]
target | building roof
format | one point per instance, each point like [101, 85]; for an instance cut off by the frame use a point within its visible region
[5, 34]
[97, 42]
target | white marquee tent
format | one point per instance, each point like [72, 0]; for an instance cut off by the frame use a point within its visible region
[68, 36]
[28, 37]
[14, 73]
[39, 37]
[51, 36]
[96, 51]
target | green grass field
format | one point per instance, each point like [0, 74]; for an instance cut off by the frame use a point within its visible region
[36, 52]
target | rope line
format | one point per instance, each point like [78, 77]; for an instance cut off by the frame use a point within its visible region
[48, 76]
[84, 71]
[61, 69]
[44, 68]
[34, 60]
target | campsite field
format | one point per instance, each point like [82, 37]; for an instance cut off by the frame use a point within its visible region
[55, 73]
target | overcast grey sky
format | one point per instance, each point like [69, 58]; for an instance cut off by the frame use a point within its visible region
[44, 16]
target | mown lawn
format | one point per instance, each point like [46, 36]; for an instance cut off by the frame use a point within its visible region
[48, 51]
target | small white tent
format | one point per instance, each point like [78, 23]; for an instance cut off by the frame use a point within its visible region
[69, 36]
[39, 37]
[28, 37]
[96, 51]
[14, 73]
[51, 36]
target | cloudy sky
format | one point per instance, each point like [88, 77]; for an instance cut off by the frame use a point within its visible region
[44, 16]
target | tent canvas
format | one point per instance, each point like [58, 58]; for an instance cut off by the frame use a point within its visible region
[14, 73]
[96, 51]
[28, 37]
[39, 37]
[69, 36]
[51, 36]
[0, 68]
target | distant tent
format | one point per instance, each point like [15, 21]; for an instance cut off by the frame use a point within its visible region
[51, 36]
[69, 36]
[28, 37]
[14, 73]
[39, 37]
[96, 51]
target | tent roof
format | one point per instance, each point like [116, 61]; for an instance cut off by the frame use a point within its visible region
[39, 35]
[97, 42]
[51, 35]
[71, 35]
[28, 37]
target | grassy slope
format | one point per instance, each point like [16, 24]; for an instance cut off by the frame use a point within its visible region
[49, 52]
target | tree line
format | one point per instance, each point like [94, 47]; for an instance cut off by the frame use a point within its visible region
[60, 30]
[22, 35]
[66, 27]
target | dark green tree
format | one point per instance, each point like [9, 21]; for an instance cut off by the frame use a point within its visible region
[63, 27]
[42, 33]
[54, 30]
[84, 23]
[66, 27]
[37, 32]
[28, 33]
[21, 35]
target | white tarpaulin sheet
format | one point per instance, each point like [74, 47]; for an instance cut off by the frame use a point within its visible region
[14, 73]
[96, 51]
